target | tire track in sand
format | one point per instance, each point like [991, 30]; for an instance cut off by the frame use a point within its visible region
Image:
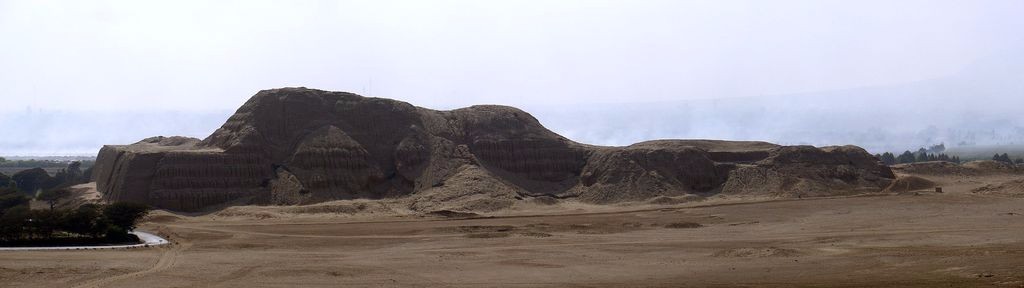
[166, 261]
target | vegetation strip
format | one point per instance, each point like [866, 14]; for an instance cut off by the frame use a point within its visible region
[147, 240]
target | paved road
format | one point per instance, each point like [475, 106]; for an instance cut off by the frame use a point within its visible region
[147, 240]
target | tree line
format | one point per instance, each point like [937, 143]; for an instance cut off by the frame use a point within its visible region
[912, 157]
[934, 153]
[20, 225]
[37, 180]
[7, 163]
[88, 224]
[1005, 158]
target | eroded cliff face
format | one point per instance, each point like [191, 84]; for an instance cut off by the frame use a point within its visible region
[300, 146]
[799, 171]
[176, 174]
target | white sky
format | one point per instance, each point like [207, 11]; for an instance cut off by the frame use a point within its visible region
[213, 55]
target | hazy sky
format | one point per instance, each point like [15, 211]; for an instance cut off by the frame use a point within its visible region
[212, 55]
[886, 75]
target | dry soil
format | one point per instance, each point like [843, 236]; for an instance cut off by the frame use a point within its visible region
[959, 238]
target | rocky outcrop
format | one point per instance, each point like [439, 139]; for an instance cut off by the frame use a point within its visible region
[177, 175]
[637, 173]
[299, 146]
[909, 183]
[808, 171]
[664, 168]
[471, 188]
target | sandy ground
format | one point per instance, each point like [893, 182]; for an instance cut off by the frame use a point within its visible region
[953, 239]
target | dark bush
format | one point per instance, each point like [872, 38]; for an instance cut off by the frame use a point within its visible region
[53, 196]
[13, 223]
[10, 198]
[31, 180]
[5, 181]
[87, 220]
[125, 215]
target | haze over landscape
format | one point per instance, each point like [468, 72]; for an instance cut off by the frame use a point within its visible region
[888, 76]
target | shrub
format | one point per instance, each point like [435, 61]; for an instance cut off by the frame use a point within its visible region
[10, 198]
[31, 180]
[12, 223]
[125, 215]
[5, 181]
[86, 220]
[53, 196]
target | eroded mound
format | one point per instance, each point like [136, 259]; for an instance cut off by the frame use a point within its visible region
[989, 166]
[799, 171]
[1014, 188]
[303, 146]
[909, 183]
[933, 168]
[470, 189]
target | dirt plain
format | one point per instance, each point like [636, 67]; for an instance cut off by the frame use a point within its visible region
[958, 238]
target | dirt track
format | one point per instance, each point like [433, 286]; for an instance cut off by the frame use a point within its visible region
[932, 240]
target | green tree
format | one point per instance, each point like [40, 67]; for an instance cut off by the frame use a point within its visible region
[86, 220]
[1002, 158]
[44, 223]
[13, 222]
[53, 196]
[32, 180]
[112, 222]
[921, 157]
[10, 198]
[5, 181]
[906, 157]
[888, 158]
[125, 215]
[70, 176]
